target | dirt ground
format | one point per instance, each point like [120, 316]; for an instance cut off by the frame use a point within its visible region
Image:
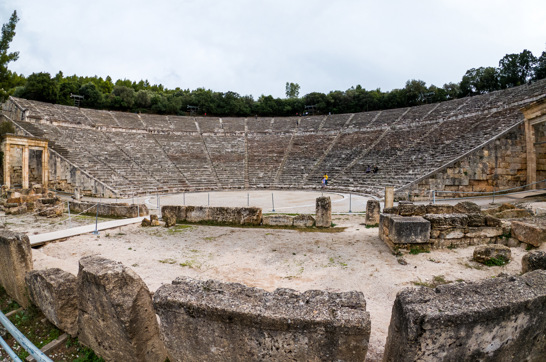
[354, 259]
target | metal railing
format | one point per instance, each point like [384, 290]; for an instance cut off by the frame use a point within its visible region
[22, 340]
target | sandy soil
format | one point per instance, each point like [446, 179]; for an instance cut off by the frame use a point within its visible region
[354, 259]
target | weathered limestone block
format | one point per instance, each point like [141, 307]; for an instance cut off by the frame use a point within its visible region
[170, 220]
[528, 233]
[197, 213]
[400, 230]
[116, 317]
[533, 260]
[513, 214]
[15, 262]
[492, 320]
[467, 207]
[484, 253]
[391, 210]
[154, 220]
[146, 222]
[236, 215]
[105, 209]
[54, 291]
[447, 221]
[493, 221]
[439, 209]
[484, 232]
[304, 221]
[278, 220]
[213, 321]
[373, 210]
[476, 220]
[323, 218]
[411, 210]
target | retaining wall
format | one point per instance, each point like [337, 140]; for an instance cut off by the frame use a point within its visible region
[228, 321]
[15, 262]
[500, 319]
[217, 215]
[115, 210]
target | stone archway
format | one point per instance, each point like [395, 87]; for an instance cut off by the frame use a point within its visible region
[535, 115]
[27, 145]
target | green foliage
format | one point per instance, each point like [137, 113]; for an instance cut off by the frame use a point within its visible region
[499, 261]
[6, 127]
[41, 87]
[415, 251]
[6, 76]
[436, 281]
[292, 90]
[516, 69]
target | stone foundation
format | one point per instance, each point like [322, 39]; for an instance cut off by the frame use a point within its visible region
[226, 322]
[217, 215]
[110, 210]
[323, 218]
[499, 319]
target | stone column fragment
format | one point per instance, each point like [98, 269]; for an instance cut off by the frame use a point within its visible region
[389, 196]
[373, 210]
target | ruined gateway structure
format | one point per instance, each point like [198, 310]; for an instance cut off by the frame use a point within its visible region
[471, 144]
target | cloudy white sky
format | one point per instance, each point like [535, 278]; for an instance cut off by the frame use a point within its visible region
[254, 47]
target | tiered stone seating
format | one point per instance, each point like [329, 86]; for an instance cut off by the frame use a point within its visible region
[233, 124]
[143, 153]
[156, 122]
[260, 124]
[209, 124]
[227, 154]
[305, 151]
[187, 152]
[335, 122]
[310, 123]
[265, 155]
[183, 124]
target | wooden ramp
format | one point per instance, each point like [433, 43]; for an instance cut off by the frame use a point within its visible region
[40, 239]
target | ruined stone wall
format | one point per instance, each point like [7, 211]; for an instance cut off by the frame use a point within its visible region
[231, 322]
[217, 215]
[500, 319]
[501, 164]
[110, 210]
[64, 176]
[540, 133]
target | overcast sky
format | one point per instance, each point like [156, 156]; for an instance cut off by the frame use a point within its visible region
[254, 47]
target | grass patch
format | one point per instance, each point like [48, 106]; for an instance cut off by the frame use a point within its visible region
[167, 261]
[415, 251]
[192, 264]
[178, 229]
[499, 261]
[436, 281]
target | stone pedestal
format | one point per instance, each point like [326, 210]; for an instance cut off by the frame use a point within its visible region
[15, 262]
[373, 210]
[323, 212]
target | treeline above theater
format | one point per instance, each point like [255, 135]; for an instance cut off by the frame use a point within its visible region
[141, 96]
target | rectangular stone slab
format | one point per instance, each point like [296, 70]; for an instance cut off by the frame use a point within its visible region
[500, 319]
[405, 230]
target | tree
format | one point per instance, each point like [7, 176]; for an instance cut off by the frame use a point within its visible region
[41, 87]
[292, 90]
[479, 81]
[540, 67]
[8, 32]
[92, 97]
[516, 69]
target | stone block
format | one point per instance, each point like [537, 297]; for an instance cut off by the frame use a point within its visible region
[492, 221]
[236, 215]
[484, 253]
[476, 220]
[484, 232]
[304, 221]
[513, 214]
[54, 291]
[390, 210]
[373, 210]
[116, 317]
[15, 262]
[447, 221]
[404, 230]
[197, 213]
[534, 260]
[323, 217]
[439, 209]
[491, 320]
[213, 321]
[528, 233]
[278, 220]
[411, 210]
[467, 207]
